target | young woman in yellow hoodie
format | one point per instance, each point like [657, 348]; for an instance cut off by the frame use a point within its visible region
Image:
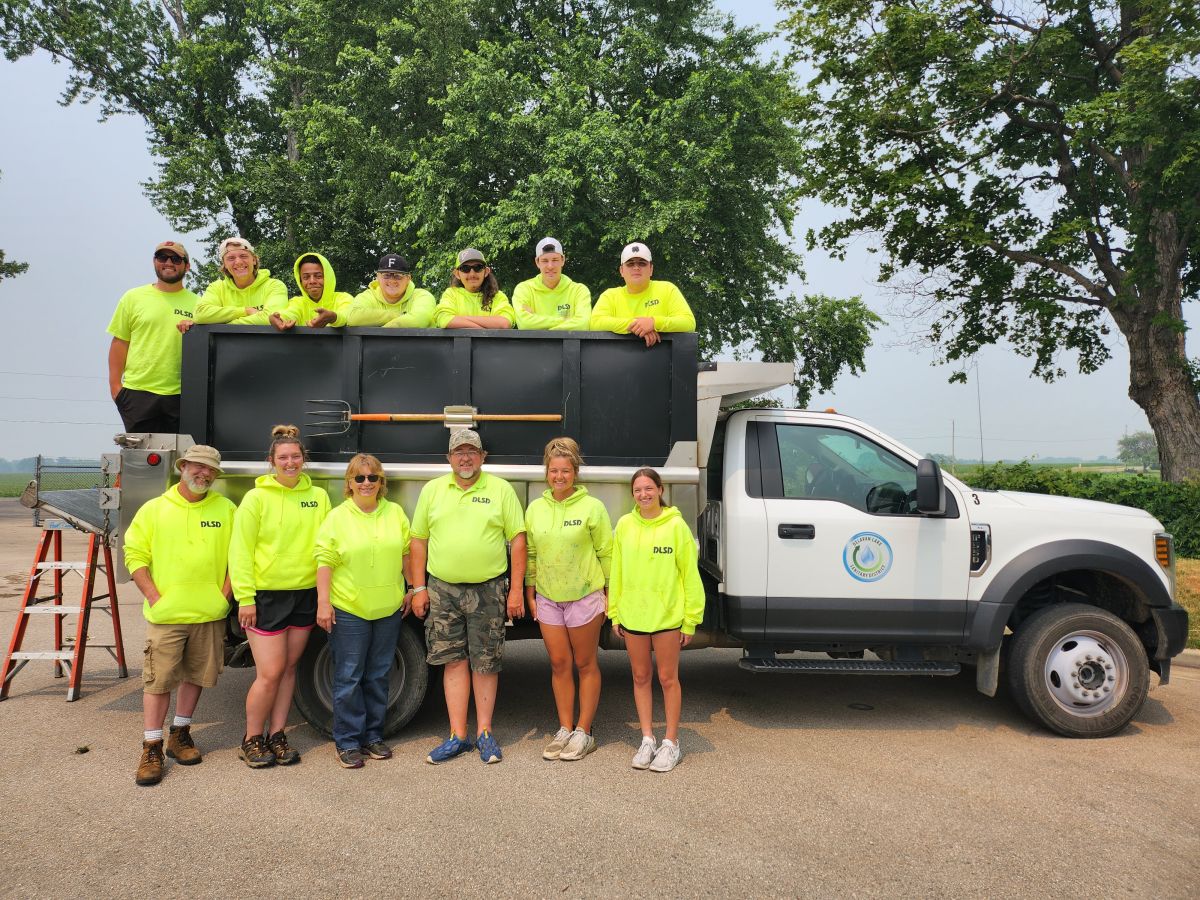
[568, 537]
[655, 601]
[274, 576]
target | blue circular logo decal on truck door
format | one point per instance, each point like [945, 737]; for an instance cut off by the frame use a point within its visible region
[867, 556]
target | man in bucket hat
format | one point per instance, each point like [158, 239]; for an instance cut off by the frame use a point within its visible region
[177, 550]
[461, 530]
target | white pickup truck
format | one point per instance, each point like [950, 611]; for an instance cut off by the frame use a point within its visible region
[816, 531]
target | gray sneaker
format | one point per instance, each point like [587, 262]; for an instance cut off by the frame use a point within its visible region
[579, 746]
[555, 748]
[666, 758]
[645, 754]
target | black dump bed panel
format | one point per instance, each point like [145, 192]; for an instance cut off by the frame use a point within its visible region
[624, 403]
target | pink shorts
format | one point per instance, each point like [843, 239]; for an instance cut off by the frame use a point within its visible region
[575, 614]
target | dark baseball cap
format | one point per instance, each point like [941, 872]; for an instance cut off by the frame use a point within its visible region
[393, 262]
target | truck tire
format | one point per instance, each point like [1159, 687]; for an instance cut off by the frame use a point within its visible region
[1078, 670]
[407, 684]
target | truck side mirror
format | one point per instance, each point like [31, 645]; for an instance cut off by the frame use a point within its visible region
[931, 493]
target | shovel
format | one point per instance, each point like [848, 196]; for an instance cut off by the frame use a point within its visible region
[338, 415]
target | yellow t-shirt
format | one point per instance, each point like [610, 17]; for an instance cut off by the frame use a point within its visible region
[468, 530]
[147, 318]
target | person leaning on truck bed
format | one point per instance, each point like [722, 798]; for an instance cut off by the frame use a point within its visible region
[474, 299]
[643, 306]
[147, 344]
[243, 290]
[318, 304]
[550, 301]
[393, 299]
[177, 551]
[460, 529]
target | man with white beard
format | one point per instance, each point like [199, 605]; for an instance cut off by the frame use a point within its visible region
[463, 526]
[177, 550]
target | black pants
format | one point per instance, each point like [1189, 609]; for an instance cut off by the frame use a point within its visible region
[144, 411]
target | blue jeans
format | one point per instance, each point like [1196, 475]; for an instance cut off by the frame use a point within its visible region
[363, 650]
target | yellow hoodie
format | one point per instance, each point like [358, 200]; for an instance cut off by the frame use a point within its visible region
[569, 544]
[413, 310]
[301, 309]
[274, 532]
[655, 583]
[458, 301]
[186, 547]
[565, 308]
[225, 302]
[366, 553]
[662, 301]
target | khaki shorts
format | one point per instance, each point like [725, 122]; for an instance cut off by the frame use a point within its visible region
[192, 652]
[466, 621]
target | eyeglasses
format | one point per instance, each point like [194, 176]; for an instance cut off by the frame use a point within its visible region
[163, 256]
[472, 267]
[393, 276]
[359, 479]
[466, 451]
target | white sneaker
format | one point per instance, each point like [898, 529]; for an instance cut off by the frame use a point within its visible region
[579, 746]
[645, 753]
[555, 747]
[666, 758]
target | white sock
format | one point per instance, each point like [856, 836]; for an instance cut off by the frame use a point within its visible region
[155, 735]
[180, 721]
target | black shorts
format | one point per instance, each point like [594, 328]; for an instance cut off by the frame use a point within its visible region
[278, 611]
[660, 631]
[144, 411]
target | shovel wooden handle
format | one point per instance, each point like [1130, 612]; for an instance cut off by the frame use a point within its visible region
[439, 417]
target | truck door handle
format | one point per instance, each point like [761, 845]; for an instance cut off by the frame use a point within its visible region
[797, 532]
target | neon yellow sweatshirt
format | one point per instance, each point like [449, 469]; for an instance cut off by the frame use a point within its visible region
[186, 547]
[225, 302]
[366, 553]
[458, 301]
[617, 308]
[566, 308]
[274, 532]
[569, 545]
[655, 583]
[413, 310]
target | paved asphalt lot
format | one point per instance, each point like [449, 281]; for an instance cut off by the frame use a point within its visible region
[790, 785]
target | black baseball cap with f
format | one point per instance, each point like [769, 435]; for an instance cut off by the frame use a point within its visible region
[393, 262]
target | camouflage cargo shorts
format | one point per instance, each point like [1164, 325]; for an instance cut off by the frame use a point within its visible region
[466, 621]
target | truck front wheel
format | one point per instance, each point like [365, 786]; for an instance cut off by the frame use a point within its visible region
[1078, 670]
[407, 683]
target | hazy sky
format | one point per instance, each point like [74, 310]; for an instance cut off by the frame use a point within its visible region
[71, 206]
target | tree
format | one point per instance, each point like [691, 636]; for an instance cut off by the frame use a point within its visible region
[1138, 449]
[10, 269]
[1031, 170]
[430, 126]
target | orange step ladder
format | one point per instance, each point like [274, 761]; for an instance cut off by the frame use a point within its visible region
[70, 660]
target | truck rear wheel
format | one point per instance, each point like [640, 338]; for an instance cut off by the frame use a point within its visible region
[407, 683]
[1078, 670]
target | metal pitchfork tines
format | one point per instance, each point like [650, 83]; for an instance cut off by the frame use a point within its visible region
[338, 416]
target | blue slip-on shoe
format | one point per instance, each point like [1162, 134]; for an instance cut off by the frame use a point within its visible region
[448, 749]
[489, 750]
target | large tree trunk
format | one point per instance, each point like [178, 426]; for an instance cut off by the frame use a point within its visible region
[1160, 381]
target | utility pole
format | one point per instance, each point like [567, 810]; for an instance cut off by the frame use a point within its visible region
[979, 410]
[953, 454]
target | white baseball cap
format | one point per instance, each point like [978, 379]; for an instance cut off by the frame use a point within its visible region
[546, 245]
[636, 251]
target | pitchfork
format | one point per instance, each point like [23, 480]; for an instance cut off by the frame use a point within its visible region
[339, 415]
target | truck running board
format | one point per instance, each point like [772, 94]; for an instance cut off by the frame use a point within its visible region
[849, 666]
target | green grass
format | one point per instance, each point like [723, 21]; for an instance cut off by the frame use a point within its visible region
[12, 483]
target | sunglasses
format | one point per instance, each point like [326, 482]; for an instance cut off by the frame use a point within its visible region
[163, 256]
[472, 267]
[359, 479]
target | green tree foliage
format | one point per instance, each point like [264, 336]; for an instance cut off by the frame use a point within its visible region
[425, 127]
[1138, 449]
[1031, 172]
[10, 269]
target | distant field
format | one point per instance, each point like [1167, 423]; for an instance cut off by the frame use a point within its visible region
[965, 472]
[12, 483]
[1187, 594]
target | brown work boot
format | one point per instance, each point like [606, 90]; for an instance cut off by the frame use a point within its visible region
[256, 753]
[150, 769]
[181, 747]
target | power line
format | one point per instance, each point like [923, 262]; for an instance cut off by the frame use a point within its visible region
[55, 375]
[50, 422]
[56, 399]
